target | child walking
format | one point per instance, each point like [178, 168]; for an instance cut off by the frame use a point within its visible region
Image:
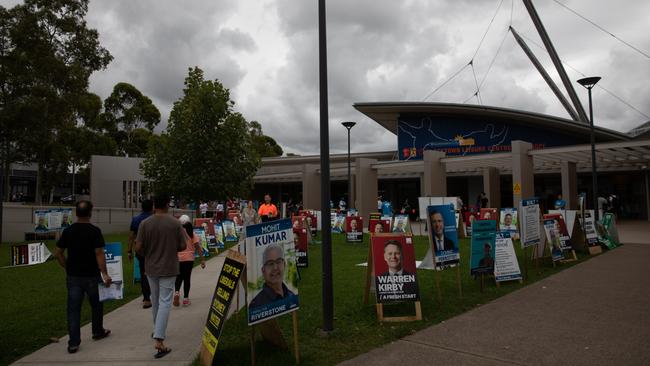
[186, 262]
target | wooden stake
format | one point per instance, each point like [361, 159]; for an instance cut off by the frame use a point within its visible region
[294, 315]
[366, 294]
[482, 280]
[460, 286]
[253, 345]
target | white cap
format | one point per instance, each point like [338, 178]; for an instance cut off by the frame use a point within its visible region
[183, 219]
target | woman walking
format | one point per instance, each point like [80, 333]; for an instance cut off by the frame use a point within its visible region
[186, 262]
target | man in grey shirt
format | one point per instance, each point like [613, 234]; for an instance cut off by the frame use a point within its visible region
[160, 238]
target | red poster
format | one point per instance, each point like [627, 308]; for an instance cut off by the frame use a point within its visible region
[393, 258]
[354, 228]
[378, 226]
[489, 214]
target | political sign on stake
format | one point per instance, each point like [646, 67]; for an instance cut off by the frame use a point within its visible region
[488, 214]
[560, 228]
[300, 236]
[443, 236]
[231, 272]
[553, 236]
[338, 224]
[230, 231]
[113, 255]
[508, 220]
[29, 254]
[506, 266]
[483, 247]
[393, 259]
[218, 236]
[272, 271]
[200, 233]
[590, 228]
[401, 224]
[377, 226]
[530, 228]
[354, 229]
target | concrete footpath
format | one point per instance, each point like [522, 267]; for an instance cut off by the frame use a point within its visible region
[595, 313]
[130, 342]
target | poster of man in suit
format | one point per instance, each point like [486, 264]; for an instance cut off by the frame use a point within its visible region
[443, 236]
[393, 259]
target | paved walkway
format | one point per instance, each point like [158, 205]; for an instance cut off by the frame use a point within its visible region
[131, 326]
[595, 313]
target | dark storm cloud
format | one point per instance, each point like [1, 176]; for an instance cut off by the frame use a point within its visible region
[266, 52]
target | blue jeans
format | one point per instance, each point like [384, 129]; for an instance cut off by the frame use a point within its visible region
[77, 286]
[162, 291]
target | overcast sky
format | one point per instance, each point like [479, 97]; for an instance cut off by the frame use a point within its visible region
[266, 53]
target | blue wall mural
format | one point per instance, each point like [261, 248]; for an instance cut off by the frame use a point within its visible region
[463, 136]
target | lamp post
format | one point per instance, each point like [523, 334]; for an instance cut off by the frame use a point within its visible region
[349, 125]
[326, 246]
[589, 83]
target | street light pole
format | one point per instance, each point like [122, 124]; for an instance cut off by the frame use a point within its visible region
[589, 84]
[326, 232]
[349, 126]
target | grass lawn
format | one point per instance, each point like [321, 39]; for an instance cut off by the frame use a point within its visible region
[34, 302]
[356, 327]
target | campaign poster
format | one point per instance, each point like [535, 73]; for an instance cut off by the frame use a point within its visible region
[218, 236]
[271, 270]
[401, 224]
[530, 228]
[224, 292]
[607, 230]
[237, 219]
[207, 224]
[470, 217]
[560, 227]
[590, 228]
[353, 212]
[300, 238]
[200, 233]
[54, 217]
[378, 226]
[29, 254]
[66, 217]
[338, 226]
[508, 220]
[312, 220]
[393, 258]
[488, 214]
[354, 229]
[553, 237]
[41, 221]
[113, 255]
[230, 231]
[483, 247]
[443, 235]
[506, 265]
[374, 216]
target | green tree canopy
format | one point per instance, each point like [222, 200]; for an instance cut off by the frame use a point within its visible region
[130, 118]
[48, 54]
[206, 151]
[264, 145]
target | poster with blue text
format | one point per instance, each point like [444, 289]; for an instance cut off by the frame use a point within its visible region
[443, 235]
[271, 270]
[113, 255]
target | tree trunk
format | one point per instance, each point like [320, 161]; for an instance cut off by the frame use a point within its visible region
[6, 189]
[37, 196]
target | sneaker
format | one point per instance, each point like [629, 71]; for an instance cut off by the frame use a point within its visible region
[186, 302]
[177, 298]
[73, 349]
[102, 335]
[146, 304]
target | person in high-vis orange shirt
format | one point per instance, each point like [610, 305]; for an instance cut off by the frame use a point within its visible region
[267, 211]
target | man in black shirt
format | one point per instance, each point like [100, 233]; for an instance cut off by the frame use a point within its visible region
[85, 262]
